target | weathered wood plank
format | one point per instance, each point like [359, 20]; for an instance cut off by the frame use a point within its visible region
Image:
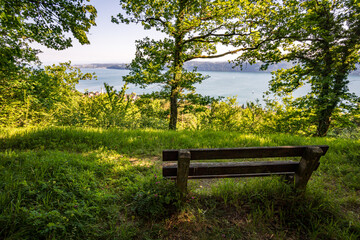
[247, 152]
[239, 175]
[234, 168]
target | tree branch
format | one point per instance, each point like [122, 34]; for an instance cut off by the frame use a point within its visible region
[200, 38]
[152, 18]
[229, 52]
[203, 36]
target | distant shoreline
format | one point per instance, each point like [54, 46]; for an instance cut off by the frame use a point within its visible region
[204, 66]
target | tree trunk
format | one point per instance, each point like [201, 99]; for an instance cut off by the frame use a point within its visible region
[324, 122]
[177, 67]
[324, 115]
[325, 108]
[173, 108]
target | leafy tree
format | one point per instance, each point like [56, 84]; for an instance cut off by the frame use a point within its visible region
[47, 22]
[321, 38]
[194, 30]
[44, 21]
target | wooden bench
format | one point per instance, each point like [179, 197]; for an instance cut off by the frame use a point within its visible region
[298, 172]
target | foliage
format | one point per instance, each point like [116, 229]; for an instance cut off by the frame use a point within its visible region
[38, 94]
[41, 21]
[285, 117]
[48, 97]
[153, 112]
[112, 109]
[321, 38]
[29, 93]
[193, 29]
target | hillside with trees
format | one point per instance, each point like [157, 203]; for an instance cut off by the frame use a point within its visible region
[208, 66]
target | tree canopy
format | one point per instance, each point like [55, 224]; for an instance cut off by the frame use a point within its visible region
[194, 30]
[48, 22]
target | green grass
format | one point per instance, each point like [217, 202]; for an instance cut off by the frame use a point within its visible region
[88, 183]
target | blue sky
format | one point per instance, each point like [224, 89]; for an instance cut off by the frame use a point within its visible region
[109, 42]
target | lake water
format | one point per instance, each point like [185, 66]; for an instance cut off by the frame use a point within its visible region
[245, 86]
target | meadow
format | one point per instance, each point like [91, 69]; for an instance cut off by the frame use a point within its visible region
[96, 183]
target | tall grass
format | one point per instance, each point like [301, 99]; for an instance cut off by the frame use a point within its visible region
[53, 194]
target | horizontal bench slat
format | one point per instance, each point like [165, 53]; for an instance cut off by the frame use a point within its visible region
[247, 152]
[233, 168]
[238, 175]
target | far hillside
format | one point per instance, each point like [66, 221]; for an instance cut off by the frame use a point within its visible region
[205, 66]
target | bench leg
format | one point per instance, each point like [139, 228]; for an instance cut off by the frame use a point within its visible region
[183, 171]
[308, 163]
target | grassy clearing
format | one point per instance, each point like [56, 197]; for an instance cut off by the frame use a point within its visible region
[85, 183]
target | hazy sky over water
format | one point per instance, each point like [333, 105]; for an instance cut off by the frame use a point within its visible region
[109, 42]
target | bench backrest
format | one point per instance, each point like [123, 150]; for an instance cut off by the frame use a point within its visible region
[246, 152]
